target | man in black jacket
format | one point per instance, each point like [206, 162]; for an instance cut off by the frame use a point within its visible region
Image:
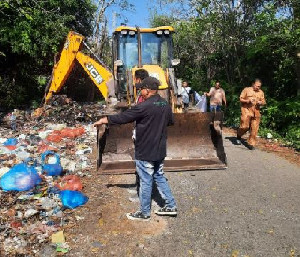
[152, 118]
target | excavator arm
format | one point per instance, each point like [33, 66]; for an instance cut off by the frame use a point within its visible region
[98, 73]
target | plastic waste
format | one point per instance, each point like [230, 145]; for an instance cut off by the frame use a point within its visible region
[4, 150]
[44, 134]
[53, 168]
[22, 155]
[47, 203]
[34, 140]
[70, 182]
[68, 133]
[54, 138]
[72, 199]
[22, 136]
[2, 140]
[202, 104]
[84, 151]
[72, 132]
[58, 237]
[11, 141]
[43, 148]
[68, 164]
[21, 177]
[30, 212]
[11, 147]
[56, 126]
[62, 247]
[197, 97]
[3, 170]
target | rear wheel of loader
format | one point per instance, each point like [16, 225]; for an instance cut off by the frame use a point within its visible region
[194, 143]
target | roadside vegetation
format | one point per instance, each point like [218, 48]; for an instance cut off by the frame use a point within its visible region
[236, 42]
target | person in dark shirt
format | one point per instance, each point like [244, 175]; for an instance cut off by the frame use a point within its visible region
[152, 118]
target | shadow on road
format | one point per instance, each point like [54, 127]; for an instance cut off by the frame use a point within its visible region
[155, 193]
[233, 140]
[121, 185]
[244, 142]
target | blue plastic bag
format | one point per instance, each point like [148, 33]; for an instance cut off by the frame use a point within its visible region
[11, 141]
[21, 177]
[72, 199]
[50, 169]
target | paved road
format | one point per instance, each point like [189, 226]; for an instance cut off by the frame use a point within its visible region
[250, 209]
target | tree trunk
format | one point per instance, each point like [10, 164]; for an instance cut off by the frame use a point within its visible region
[296, 10]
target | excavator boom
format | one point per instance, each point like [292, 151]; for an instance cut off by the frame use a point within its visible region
[71, 52]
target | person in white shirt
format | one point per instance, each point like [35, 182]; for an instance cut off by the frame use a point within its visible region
[185, 94]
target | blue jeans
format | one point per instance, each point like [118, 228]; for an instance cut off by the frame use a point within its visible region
[215, 108]
[149, 171]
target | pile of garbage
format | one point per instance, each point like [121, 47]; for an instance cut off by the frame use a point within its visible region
[60, 109]
[64, 110]
[41, 168]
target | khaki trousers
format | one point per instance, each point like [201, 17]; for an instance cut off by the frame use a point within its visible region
[252, 123]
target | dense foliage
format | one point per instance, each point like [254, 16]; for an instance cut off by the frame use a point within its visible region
[237, 41]
[31, 33]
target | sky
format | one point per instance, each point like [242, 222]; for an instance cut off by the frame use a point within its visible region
[138, 17]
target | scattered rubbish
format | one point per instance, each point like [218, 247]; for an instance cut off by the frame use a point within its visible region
[70, 182]
[21, 177]
[50, 167]
[22, 155]
[62, 247]
[72, 199]
[3, 170]
[30, 213]
[58, 237]
[47, 203]
[30, 201]
[54, 138]
[84, 151]
[11, 141]
[97, 244]
[79, 218]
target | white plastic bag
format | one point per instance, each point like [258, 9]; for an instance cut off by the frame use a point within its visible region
[202, 104]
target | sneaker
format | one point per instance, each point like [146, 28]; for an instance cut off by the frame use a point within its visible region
[137, 216]
[166, 211]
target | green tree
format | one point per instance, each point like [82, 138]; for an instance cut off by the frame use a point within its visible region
[237, 41]
[31, 32]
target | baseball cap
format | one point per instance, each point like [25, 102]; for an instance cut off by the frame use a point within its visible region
[150, 82]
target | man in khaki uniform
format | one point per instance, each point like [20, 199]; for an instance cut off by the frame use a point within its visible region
[251, 99]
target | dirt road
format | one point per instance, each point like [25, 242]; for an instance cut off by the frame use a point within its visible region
[250, 209]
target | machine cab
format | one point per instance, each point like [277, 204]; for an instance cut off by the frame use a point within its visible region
[147, 48]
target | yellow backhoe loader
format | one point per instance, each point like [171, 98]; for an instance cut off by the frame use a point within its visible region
[194, 142]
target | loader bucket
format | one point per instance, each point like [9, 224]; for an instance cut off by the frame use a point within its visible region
[194, 143]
